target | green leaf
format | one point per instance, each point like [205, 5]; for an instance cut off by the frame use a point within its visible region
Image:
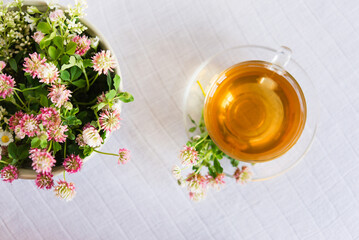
[72, 60]
[191, 119]
[212, 171]
[110, 95]
[71, 48]
[59, 42]
[53, 52]
[125, 97]
[44, 27]
[44, 42]
[70, 135]
[75, 73]
[23, 152]
[79, 83]
[87, 63]
[52, 36]
[65, 75]
[13, 64]
[12, 149]
[44, 101]
[100, 106]
[43, 143]
[87, 151]
[109, 80]
[117, 82]
[217, 166]
[65, 59]
[234, 162]
[56, 147]
[192, 129]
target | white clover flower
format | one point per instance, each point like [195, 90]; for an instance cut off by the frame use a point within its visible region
[32, 10]
[91, 137]
[75, 27]
[176, 172]
[52, 4]
[94, 42]
[5, 138]
[2, 112]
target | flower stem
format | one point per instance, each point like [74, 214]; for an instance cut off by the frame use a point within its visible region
[3, 162]
[64, 175]
[86, 103]
[65, 149]
[27, 89]
[20, 99]
[200, 141]
[112, 154]
[93, 81]
[200, 85]
[48, 150]
[87, 80]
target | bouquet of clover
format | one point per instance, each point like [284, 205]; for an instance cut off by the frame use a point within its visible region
[59, 94]
[200, 151]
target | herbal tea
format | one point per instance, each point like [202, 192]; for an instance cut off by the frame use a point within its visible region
[255, 111]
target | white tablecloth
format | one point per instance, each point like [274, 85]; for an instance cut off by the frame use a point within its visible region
[159, 44]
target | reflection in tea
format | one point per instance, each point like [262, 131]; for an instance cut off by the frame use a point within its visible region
[255, 111]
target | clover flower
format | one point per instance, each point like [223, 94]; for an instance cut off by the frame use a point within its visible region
[123, 156]
[29, 125]
[19, 133]
[80, 140]
[72, 163]
[44, 180]
[56, 15]
[110, 120]
[103, 62]
[78, 10]
[91, 137]
[5, 138]
[32, 65]
[48, 73]
[176, 172]
[244, 175]
[14, 120]
[197, 196]
[49, 117]
[9, 173]
[189, 156]
[216, 182]
[6, 85]
[196, 183]
[59, 95]
[65, 190]
[83, 44]
[101, 98]
[42, 161]
[57, 133]
[38, 36]
[2, 65]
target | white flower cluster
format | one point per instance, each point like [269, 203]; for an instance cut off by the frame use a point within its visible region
[78, 10]
[3, 112]
[75, 26]
[14, 31]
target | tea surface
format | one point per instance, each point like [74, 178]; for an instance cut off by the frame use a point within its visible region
[255, 111]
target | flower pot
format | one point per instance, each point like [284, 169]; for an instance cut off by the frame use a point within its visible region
[28, 173]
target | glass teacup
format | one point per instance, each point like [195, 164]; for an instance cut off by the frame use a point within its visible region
[259, 106]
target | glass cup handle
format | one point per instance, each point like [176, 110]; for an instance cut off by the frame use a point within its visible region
[282, 56]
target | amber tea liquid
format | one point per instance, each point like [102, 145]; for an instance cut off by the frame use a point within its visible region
[255, 111]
